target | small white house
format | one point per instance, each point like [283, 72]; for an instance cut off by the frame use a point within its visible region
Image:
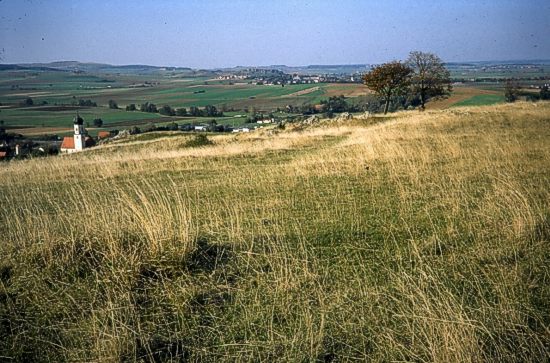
[242, 129]
[266, 121]
[200, 128]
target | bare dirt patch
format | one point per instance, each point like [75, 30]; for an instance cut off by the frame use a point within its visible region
[303, 92]
[29, 94]
[40, 130]
[55, 108]
[351, 90]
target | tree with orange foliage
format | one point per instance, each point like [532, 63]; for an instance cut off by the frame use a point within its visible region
[389, 80]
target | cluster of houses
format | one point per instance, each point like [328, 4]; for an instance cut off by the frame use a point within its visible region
[205, 128]
[18, 146]
[272, 77]
[232, 77]
[266, 121]
[80, 140]
[241, 129]
[24, 148]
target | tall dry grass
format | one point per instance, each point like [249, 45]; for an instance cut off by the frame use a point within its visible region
[416, 237]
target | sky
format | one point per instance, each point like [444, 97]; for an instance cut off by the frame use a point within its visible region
[217, 33]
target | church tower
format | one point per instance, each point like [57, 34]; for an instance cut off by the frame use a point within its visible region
[79, 133]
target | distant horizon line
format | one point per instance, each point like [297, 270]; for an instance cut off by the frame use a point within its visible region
[259, 65]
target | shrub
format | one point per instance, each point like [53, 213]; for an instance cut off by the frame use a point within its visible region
[113, 104]
[199, 140]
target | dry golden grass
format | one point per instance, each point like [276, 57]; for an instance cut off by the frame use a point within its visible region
[412, 237]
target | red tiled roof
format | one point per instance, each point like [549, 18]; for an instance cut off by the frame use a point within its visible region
[68, 142]
[103, 134]
[3, 154]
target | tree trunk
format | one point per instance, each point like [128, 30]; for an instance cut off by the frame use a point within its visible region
[423, 97]
[422, 101]
[386, 106]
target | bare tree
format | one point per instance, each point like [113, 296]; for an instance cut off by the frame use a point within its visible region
[388, 80]
[430, 78]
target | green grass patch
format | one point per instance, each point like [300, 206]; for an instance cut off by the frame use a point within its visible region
[480, 100]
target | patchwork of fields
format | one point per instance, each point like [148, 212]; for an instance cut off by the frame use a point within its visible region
[65, 88]
[49, 90]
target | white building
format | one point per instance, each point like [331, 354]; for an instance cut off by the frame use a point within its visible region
[242, 129]
[266, 121]
[80, 139]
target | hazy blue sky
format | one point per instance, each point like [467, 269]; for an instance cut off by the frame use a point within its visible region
[246, 32]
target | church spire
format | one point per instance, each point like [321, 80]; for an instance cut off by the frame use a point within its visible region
[78, 120]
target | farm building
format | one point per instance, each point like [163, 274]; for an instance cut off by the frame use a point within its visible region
[103, 135]
[242, 129]
[266, 121]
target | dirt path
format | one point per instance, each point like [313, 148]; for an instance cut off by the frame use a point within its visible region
[303, 92]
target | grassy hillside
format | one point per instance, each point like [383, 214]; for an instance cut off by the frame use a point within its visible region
[412, 237]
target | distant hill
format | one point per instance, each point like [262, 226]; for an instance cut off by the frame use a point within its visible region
[333, 69]
[16, 67]
[74, 66]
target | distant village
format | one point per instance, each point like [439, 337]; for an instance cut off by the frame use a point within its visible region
[272, 77]
[14, 146]
[17, 146]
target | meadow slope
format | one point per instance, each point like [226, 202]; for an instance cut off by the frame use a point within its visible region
[412, 237]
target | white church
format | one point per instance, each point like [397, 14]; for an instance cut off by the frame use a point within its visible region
[80, 139]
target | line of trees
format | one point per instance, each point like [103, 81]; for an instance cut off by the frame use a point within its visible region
[422, 76]
[148, 107]
[206, 111]
[512, 92]
[330, 106]
[85, 103]
[113, 105]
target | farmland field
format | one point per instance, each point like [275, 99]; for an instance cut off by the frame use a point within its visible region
[462, 94]
[54, 92]
[50, 89]
[481, 100]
